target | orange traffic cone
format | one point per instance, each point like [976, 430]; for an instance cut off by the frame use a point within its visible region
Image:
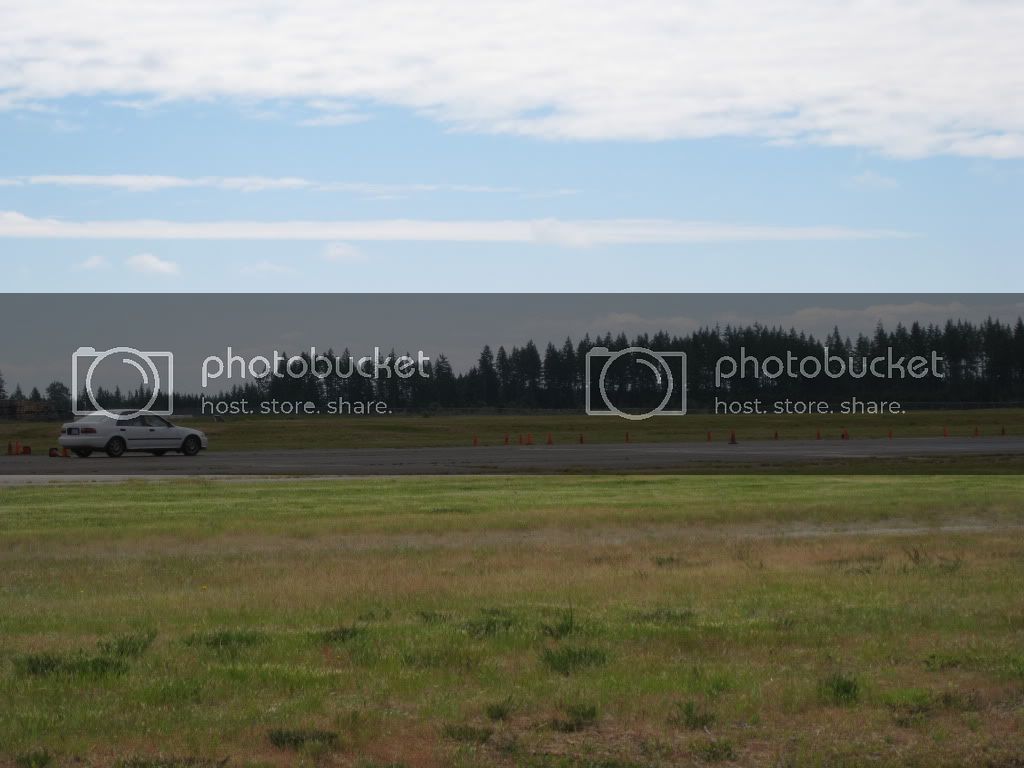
[732, 437]
[627, 437]
[17, 447]
[506, 438]
[890, 434]
[709, 436]
[476, 441]
[529, 438]
[581, 438]
[549, 440]
[977, 432]
[817, 435]
[945, 431]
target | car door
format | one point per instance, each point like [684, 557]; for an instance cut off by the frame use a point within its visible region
[161, 435]
[133, 431]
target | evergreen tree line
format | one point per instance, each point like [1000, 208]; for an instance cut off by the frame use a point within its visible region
[981, 362]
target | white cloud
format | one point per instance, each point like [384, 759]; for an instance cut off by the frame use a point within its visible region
[250, 183]
[152, 183]
[911, 78]
[333, 113]
[153, 265]
[580, 233]
[874, 180]
[343, 253]
[127, 182]
[93, 263]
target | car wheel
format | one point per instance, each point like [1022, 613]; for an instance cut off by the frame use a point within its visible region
[82, 453]
[158, 453]
[191, 446]
[116, 447]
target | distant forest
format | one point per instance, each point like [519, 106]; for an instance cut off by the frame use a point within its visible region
[983, 363]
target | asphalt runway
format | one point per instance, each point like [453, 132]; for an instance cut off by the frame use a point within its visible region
[499, 460]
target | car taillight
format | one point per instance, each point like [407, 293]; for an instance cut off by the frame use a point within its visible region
[88, 430]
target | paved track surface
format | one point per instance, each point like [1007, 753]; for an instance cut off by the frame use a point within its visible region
[500, 459]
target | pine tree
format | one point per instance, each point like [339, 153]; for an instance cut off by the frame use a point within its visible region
[488, 377]
[60, 396]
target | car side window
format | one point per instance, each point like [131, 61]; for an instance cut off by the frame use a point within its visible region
[155, 421]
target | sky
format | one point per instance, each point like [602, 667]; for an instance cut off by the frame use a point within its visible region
[554, 146]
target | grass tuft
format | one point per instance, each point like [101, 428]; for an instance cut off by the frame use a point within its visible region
[714, 750]
[226, 641]
[668, 616]
[691, 715]
[943, 661]
[303, 739]
[564, 627]
[577, 716]
[910, 706]
[72, 665]
[468, 734]
[567, 659]
[444, 657]
[491, 622]
[169, 762]
[34, 758]
[38, 664]
[375, 614]
[339, 635]
[128, 646]
[433, 618]
[666, 561]
[499, 710]
[840, 690]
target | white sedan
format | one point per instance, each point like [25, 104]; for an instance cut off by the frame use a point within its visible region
[130, 431]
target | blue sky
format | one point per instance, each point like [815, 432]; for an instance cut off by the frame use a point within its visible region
[159, 159]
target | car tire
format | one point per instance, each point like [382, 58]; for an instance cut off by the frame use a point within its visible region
[82, 453]
[158, 453]
[191, 446]
[116, 447]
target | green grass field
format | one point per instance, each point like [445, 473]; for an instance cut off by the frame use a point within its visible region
[584, 621]
[397, 431]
